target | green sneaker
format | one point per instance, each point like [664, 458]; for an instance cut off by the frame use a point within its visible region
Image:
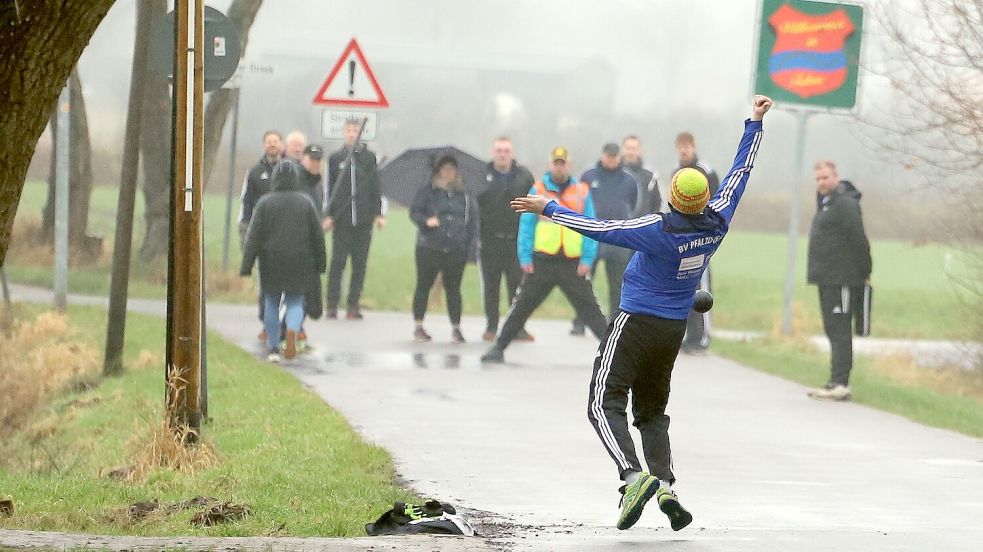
[670, 506]
[634, 498]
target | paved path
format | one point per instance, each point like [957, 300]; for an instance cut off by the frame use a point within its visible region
[760, 466]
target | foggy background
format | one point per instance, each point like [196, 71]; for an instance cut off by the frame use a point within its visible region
[548, 72]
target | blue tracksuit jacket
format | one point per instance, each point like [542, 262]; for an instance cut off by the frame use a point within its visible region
[671, 249]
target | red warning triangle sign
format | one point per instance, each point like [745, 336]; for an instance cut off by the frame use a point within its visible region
[351, 82]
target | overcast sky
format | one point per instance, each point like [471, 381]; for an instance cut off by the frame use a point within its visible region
[651, 67]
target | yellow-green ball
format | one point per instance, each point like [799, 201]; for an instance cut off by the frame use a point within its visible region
[689, 191]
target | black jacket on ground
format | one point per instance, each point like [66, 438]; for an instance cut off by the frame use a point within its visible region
[839, 253]
[254, 187]
[458, 217]
[497, 219]
[368, 200]
[285, 235]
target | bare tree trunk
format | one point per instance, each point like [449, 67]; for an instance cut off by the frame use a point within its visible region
[119, 286]
[40, 43]
[155, 151]
[242, 13]
[80, 171]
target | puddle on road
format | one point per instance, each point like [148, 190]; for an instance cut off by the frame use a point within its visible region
[331, 362]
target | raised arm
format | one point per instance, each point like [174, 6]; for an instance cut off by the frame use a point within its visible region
[639, 234]
[726, 199]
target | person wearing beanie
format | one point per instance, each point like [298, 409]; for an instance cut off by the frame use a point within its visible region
[697, 339]
[285, 235]
[447, 218]
[640, 347]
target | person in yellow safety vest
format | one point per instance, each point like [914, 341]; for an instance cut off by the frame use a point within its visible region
[552, 255]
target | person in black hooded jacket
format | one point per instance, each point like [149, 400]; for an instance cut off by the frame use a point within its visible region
[448, 221]
[840, 265]
[285, 235]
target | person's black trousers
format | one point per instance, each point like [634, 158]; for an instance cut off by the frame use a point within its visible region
[429, 263]
[837, 304]
[614, 269]
[549, 272]
[698, 324]
[636, 355]
[497, 257]
[348, 241]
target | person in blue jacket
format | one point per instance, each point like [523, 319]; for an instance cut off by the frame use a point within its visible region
[638, 353]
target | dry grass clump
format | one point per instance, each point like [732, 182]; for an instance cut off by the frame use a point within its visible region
[949, 380]
[146, 359]
[38, 359]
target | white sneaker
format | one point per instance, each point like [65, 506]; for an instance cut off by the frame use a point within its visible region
[834, 393]
[273, 357]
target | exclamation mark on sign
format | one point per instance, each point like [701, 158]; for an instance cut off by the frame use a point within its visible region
[351, 78]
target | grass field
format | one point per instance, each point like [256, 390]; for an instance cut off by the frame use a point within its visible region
[949, 398]
[913, 294]
[282, 451]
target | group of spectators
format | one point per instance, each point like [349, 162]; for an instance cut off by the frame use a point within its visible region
[285, 231]
[347, 202]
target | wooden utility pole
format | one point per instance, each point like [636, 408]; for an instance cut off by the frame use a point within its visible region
[184, 284]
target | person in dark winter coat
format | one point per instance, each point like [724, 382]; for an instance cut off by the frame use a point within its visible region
[697, 339]
[507, 180]
[615, 194]
[285, 235]
[840, 265]
[448, 221]
[350, 212]
[649, 195]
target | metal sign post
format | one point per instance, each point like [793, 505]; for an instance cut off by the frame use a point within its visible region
[808, 59]
[233, 145]
[63, 122]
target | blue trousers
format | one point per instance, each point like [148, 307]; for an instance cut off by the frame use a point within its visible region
[294, 303]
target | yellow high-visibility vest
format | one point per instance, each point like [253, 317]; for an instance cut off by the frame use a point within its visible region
[551, 238]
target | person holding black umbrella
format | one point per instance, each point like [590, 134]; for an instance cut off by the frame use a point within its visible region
[350, 212]
[448, 221]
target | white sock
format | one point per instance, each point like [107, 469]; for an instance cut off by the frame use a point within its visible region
[631, 477]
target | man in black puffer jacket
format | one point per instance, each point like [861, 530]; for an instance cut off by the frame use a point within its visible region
[840, 265]
[506, 180]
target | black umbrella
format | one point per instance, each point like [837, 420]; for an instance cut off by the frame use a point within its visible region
[401, 178]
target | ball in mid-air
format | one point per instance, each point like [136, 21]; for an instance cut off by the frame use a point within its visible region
[703, 301]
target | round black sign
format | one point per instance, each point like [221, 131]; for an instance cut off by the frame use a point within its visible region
[222, 48]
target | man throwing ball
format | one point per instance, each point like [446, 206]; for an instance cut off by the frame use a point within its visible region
[637, 354]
